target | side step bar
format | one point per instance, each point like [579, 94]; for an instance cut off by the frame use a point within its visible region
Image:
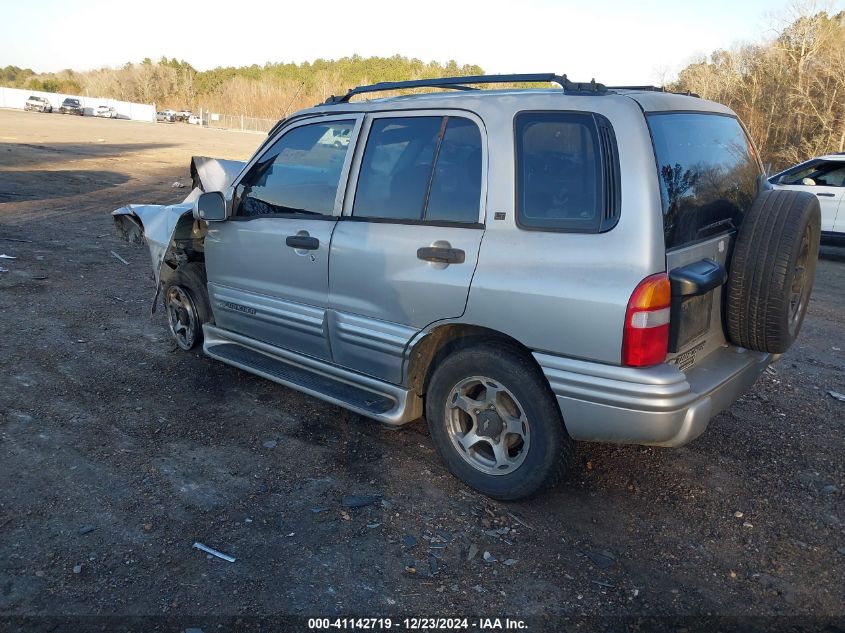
[386, 402]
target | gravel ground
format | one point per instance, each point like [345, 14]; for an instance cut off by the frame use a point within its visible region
[118, 452]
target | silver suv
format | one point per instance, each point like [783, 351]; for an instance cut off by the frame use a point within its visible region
[523, 268]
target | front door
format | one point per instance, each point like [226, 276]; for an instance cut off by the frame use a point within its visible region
[268, 264]
[404, 253]
[825, 179]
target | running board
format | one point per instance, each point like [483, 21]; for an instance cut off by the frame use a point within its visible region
[385, 402]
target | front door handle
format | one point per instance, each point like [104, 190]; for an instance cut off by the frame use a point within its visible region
[303, 242]
[827, 195]
[441, 255]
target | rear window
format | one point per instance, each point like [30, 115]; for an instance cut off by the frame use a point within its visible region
[708, 174]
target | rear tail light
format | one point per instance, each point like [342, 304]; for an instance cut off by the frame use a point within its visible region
[645, 339]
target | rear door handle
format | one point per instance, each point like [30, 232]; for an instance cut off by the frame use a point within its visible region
[441, 255]
[303, 242]
[827, 195]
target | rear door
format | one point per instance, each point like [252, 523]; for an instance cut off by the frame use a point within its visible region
[708, 171]
[405, 250]
[268, 265]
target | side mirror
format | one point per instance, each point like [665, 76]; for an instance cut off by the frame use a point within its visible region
[210, 206]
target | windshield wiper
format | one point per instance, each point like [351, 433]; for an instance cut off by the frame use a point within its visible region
[725, 221]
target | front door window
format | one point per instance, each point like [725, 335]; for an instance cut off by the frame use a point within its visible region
[299, 174]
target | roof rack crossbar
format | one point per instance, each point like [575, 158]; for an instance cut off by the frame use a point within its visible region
[460, 83]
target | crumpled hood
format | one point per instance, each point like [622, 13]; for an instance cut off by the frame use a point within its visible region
[154, 224]
[214, 174]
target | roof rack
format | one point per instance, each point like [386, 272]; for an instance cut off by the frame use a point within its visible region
[652, 89]
[461, 83]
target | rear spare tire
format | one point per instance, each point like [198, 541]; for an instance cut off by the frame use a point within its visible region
[772, 270]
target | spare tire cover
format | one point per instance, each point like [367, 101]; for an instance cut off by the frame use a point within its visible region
[772, 270]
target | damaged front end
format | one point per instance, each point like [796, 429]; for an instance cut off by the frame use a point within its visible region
[171, 232]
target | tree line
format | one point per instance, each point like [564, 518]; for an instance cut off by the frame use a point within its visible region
[271, 91]
[789, 90]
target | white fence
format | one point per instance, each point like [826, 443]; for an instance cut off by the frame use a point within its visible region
[237, 122]
[16, 98]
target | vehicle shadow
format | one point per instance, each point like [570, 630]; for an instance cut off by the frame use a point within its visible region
[17, 186]
[28, 152]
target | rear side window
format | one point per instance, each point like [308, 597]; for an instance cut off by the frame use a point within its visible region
[708, 174]
[421, 169]
[566, 172]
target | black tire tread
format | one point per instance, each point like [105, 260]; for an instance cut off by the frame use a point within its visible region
[758, 286]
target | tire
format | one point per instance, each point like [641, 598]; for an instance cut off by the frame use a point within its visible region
[772, 270]
[186, 304]
[535, 459]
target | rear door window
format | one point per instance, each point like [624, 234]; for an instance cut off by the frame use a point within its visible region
[396, 168]
[425, 168]
[456, 183]
[708, 173]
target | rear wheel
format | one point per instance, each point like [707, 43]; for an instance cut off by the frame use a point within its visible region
[495, 423]
[186, 304]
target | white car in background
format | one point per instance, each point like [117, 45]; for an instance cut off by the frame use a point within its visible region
[825, 177]
[39, 104]
[194, 120]
[106, 112]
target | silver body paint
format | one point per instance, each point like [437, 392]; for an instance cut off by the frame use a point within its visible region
[357, 309]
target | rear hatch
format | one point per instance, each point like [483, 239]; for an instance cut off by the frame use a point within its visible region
[709, 173]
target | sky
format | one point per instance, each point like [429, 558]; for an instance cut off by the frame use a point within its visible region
[613, 41]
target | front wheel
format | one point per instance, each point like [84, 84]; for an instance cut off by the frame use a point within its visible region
[186, 304]
[496, 424]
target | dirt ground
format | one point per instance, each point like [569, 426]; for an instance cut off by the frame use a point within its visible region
[118, 452]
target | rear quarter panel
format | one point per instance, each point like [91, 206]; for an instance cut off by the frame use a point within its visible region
[567, 293]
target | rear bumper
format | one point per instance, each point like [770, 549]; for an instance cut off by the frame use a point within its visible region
[660, 405]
